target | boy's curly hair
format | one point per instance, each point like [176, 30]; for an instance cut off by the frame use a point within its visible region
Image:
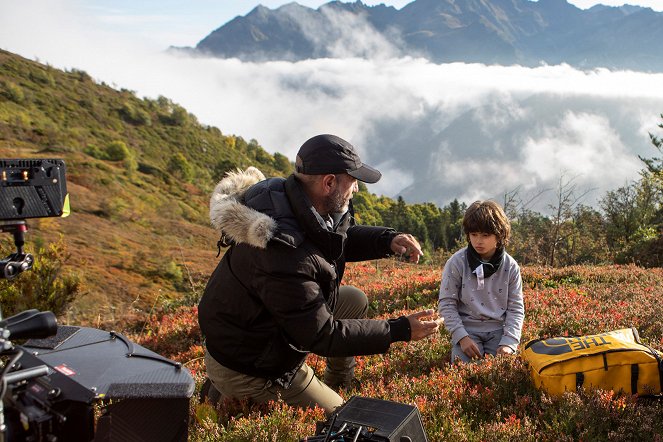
[487, 217]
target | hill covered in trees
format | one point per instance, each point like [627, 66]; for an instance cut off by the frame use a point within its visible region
[139, 174]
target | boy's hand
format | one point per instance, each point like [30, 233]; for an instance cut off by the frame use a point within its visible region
[470, 348]
[504, 350]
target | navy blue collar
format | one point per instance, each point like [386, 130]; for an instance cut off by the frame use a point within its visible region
[490, 266]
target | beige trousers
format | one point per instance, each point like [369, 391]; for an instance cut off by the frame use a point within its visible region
[306, 389]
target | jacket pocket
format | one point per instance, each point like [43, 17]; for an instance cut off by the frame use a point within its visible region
[279, 357]
[328, 281]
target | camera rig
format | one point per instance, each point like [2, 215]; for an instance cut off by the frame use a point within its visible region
[29, 189]
[69, 383]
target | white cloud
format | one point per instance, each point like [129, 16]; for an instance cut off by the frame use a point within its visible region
[482, 179]
[583, 146]
[341, 33]
[398, 178]
[499, 111]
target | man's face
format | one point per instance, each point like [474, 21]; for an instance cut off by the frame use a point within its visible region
[339, 200]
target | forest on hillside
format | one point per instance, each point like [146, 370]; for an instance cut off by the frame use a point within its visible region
[627, 226]
[139, 175]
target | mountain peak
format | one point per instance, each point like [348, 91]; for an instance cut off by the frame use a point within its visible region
[626, 9]
[259, 11]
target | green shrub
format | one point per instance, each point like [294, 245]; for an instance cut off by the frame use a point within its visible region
[95, 152]
[645, 253]
[81, 76]
[134, 115]
[117, 151]
[130, 165]
[179, 116]
[224, 166]
[49, 130]
[149, 169]
[13, 92]
[172, 271]
[42, 76]
[44, 287]
[172, 114]
[20, 122]
[113, 208]
[282, 164]
[180, 167]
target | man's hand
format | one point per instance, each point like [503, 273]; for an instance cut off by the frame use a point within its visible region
[421, 328]
[504, 350]
[470, 348]
[406, 244]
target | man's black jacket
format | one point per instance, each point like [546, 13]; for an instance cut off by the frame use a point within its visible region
[270, 300]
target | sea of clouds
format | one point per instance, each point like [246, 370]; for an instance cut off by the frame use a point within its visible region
[436, 131]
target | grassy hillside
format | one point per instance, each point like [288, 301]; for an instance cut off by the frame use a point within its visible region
[139, 175]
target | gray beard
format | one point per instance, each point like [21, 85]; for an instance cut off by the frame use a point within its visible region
[335, 203]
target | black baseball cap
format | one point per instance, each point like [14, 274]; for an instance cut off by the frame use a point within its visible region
[326, 153]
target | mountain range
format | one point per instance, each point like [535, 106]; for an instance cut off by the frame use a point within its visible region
[504, 32]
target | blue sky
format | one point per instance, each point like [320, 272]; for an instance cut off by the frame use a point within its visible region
[183, 23]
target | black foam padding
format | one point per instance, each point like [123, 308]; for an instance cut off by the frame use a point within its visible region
[64, 332]
[144, 420]
[147, 390]
[101, 362]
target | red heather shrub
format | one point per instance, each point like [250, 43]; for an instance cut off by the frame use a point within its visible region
[492, 400]
[245, 422]
[173, 334]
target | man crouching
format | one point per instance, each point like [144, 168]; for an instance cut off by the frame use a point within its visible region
[276, 294]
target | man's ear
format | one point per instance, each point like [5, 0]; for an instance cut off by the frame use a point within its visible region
[327, 183]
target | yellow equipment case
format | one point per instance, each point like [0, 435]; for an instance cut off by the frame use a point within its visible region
[615, 360]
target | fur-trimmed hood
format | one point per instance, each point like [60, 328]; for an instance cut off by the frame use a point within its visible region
[232, 218]
[247, 208]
